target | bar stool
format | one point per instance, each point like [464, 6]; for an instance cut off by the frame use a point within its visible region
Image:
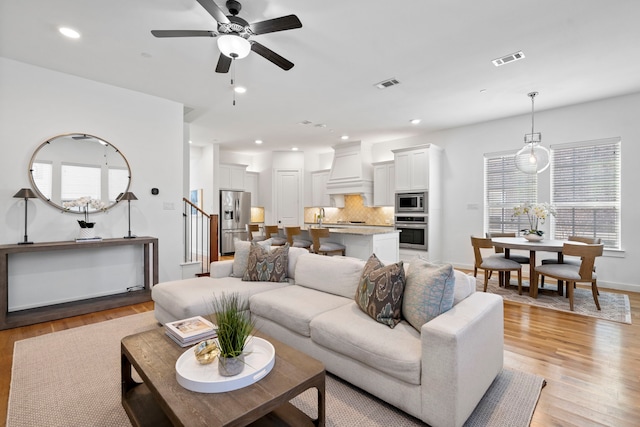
[291, 233]
[324, 248]
[272, 232]
[253, 233]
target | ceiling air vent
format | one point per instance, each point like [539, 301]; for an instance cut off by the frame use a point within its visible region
[387, 83]
[508, 58]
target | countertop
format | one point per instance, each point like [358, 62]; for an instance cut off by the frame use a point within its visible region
[347, 224]
[360, 231]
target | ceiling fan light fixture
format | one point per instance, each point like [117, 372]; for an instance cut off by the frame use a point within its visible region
[234, 46]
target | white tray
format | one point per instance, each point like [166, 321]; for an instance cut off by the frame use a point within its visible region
[259, 359]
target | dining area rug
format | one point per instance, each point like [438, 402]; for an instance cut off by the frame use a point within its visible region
[72, 378]
[613, 306]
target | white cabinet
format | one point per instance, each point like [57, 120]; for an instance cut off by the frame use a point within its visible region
[232, 177]
[251, 185]
[384, 183]
[319, 196]
[412, 168]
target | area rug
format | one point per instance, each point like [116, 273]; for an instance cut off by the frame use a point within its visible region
[613, 306]
[72, 378]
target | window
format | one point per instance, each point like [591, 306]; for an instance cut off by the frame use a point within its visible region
[585, 189]
[80, 181]
[505, 187]
[42, 174]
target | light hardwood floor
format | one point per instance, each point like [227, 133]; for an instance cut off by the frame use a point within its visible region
[592, 367]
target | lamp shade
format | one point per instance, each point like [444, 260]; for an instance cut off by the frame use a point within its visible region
[233, 46]
[25, 193]
[128, 196]
[532, 158]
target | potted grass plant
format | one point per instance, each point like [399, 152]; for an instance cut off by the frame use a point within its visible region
[235, 328]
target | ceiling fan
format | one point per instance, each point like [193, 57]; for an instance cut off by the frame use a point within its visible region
[233, 34]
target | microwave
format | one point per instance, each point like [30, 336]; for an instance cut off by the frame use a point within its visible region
[412, 203]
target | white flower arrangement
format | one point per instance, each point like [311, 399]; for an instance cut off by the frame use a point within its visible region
[83, 204]
[537, 214]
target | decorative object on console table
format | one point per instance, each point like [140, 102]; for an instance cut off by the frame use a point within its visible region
[129, 196]
[537, 214]
[87, 228]
[25, 193]
[235, 328]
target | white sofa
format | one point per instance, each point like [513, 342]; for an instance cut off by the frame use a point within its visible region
[438, 374]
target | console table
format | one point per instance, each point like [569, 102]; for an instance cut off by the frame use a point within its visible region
[84, 306]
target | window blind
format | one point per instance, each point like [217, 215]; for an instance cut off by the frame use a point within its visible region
[585, 189]
[505, 187]
[80, 181]
[42, 173]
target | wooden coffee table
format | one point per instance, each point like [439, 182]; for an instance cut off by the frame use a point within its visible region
[160, 401]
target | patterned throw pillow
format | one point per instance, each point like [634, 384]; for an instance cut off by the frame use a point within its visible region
[264, 265]
[379, 293]
[428, 293]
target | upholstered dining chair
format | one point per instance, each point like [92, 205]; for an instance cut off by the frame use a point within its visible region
[493, 263]
[291, 233]
[324, 247]
[572, 274]
[521, 259]
[254, 233]
[570, 260]
[272, 232]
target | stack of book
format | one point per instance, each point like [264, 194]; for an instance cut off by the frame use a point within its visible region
[190, 331]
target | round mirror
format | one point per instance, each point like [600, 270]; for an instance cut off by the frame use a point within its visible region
[69, 167]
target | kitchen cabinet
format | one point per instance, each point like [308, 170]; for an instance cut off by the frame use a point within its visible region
[412, 168]
[384, 183]
[319, 196]
[232, 177]
[251, 185]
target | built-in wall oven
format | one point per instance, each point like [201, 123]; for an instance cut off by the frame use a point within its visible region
[413, 231]
[416, 203]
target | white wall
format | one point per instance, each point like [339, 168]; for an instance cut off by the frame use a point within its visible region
[37, 104]
[463, 173]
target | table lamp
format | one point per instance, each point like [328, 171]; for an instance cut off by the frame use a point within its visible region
[129, 196]
[25, 193]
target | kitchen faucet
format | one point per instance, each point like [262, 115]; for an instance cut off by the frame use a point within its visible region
[320, 216]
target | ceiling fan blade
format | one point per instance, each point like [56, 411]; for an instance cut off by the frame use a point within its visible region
[224, 63]
[183, 33]
[270, 55]
[288, 22]
[215, 11]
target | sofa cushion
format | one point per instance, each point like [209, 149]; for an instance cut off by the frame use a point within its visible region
[241, 255]
[465, 285]
[264, 265]
[335, 275]
[380, 291]
[348, 331]
[294, 307]
[194, 297]
[428, 293]
[294, 253]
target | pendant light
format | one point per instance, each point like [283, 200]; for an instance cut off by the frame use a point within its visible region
[532, 158]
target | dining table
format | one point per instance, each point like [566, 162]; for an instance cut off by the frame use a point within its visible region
[545, 245]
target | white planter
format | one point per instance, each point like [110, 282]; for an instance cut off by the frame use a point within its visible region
[87, 233]
[533, 237]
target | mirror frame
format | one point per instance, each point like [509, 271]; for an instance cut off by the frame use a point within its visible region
[47, 143]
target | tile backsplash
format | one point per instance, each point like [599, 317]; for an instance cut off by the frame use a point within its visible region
[354, 210]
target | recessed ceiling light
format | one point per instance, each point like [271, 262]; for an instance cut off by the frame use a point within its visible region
[415, 121]
[344, 137]
[190, 142]
[69, 32]
[258, 141]
[294, 148]
[240, 89]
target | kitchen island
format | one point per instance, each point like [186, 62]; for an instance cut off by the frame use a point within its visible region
[362, 241]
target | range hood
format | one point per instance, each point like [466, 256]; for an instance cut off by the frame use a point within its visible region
[351, 172]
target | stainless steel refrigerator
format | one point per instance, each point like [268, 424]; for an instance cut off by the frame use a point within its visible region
[235, 214]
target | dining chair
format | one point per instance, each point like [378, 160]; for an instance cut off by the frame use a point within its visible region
[272, 232]
[324, 247]
[572, 274]
[521, 259]
[493, 263]
[291, 233]
[570, 260]
[253, 233]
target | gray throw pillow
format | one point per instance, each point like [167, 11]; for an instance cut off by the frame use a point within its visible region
[380, 291]
[428, 292]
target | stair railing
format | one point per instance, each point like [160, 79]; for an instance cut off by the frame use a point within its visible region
[200, 236]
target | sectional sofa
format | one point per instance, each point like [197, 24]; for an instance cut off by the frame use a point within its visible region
[437, 372]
